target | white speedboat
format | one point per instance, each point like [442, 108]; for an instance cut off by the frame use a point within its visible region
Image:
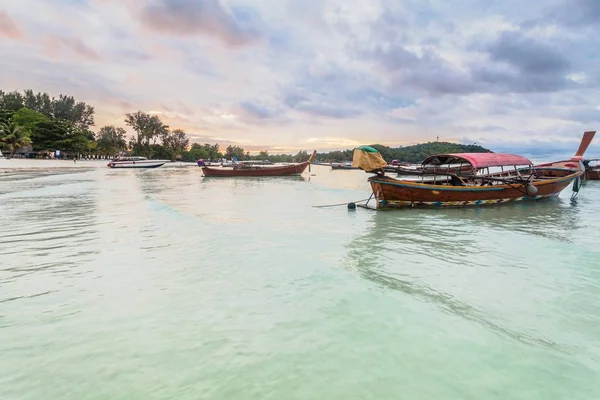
[135, 162]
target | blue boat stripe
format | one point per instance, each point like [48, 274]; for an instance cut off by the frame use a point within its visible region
[431, 187]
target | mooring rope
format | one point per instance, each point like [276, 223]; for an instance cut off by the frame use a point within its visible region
[342, 204]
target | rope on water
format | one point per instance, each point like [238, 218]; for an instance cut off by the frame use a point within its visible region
[342, 204]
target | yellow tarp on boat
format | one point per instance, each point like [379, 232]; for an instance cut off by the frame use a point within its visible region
[367, 158]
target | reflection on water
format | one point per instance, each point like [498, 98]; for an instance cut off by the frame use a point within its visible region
[253, 180]
[51, 232]
[553, 218]
[478, 263]
[165, 284]
[374, 269]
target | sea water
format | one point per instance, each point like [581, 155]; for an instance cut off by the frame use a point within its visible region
[162, 284]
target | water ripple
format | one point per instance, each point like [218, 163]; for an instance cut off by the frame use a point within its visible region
[135, 276]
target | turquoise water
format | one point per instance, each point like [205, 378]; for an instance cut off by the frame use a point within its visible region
[162, 284]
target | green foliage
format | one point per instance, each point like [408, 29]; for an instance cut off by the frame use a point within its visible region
[409, 154]
[279, 158]
[75, 142]
[47, 135]
[148, 128]
[40, 102]
[28, 118]
[64, 124]
[416, 153]
[5, 116]
[235, 151]
[65, 108]
[11, 101]
[81, 115]
[209, 152]
[283, 158]
[175, 144]
[47, 123]
[301, 156]
[202, 151]
[13, 137]
[111, 141]
[335, 156]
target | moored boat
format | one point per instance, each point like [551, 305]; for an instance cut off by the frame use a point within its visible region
[592, 172]
[465, 179]
[347, 165]
[135, 162]
[396, 166]
[259, 170]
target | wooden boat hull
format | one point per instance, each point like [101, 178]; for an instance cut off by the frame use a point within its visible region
[286, 170]
[254, 171]
[468, 187]
[592, 174]
[333, 166]
[395, 193]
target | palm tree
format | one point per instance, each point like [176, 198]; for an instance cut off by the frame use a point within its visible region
[13, 137]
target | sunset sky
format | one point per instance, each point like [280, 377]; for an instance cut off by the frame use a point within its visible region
[285, 75]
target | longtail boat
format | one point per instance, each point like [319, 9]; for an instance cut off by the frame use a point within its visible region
[259, 170]
[465, 179]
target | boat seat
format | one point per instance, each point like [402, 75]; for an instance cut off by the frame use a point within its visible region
[456, 181]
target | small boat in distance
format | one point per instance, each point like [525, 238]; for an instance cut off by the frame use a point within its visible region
[239, 170]
[346, 165]
[135, 162]
[465, 179]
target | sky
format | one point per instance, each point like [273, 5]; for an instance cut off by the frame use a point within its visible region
[289, 75]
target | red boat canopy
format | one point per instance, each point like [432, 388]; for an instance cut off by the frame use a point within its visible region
[478, 160]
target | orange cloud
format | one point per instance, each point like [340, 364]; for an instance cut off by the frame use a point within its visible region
[8, 27]
[53, 45]
[191, 17]
[77, 46]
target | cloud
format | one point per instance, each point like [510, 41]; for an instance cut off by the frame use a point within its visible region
[333, 142]
[56, 46]
[575, 14]
[83, 83]
[321, 88]
[318, 106]
[134, 55]
[427, 72]
[77, 46]
[259, 113]
[293, 73]
[415, 54]
[528, 55]
[519, 63]
[8, 27]
[539, 150]
[206, 17]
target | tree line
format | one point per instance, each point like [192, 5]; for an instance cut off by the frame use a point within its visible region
[44, 123]
[416, 153]
[47, 124]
